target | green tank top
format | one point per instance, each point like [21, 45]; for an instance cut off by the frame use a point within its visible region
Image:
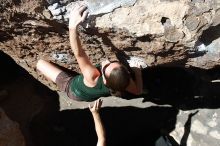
[88, 93]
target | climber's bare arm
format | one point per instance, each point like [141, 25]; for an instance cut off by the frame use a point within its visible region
[89, 71]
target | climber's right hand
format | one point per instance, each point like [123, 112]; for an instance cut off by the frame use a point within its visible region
[77, 15]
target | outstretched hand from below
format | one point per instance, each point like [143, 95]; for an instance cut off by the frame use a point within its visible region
[96, 107]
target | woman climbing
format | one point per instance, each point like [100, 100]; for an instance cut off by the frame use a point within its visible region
[94, 82]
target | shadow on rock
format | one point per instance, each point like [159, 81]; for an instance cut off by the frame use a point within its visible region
[210, 35]
[23, 97]
[124, 126]
[167, 140]
[184, 88]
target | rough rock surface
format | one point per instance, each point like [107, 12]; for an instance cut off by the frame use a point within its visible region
[10, 133]
[164, 32]
[180, 23]
[201, 128]
[160, 23]
[155, 30]
[204, 129]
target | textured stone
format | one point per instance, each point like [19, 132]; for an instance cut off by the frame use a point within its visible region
[60, 17]
[200, 133]
[10, 134]
[53, 7]
[215, 134]
[3, 95]
[214, 47]
[162, 19]
[168, 0]
[145, 17]
[216, 4]
[139, 26]
[197, 1]
[216, 19]
[212, 124]
[192, 22]
[106, 6]
[201, 8]
[173, 35]
[210, 58]
[52, 1]
[199, 128]
[47, 14]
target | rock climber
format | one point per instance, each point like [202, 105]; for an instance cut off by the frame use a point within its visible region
[93, 82]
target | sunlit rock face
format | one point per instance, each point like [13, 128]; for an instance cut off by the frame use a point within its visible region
[173, 30]
[203, 127]
[163, 32]
[148, 17]
[101, 7]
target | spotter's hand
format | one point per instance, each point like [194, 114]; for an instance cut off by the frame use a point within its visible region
[96, 107]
